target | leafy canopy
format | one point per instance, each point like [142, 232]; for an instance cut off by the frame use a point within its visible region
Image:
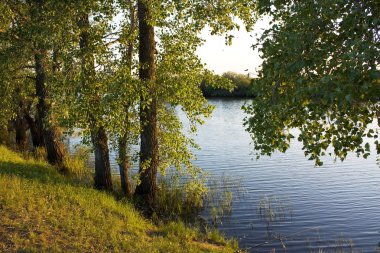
[321, 75]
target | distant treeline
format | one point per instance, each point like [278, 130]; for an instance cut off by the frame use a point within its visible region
[242, 87]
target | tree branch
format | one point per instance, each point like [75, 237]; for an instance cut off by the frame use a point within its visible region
[110, 34]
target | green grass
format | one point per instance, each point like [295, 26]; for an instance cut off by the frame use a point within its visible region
[44, 211]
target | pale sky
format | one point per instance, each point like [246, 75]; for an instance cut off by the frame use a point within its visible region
[238, 57]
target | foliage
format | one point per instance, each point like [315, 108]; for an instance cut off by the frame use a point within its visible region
[45, 211]
[321, 75]
[180, 72]
[241, 87]
[90, 72]
[97, 85]
[26, 29]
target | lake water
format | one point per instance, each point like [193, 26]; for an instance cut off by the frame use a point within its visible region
[333, 207]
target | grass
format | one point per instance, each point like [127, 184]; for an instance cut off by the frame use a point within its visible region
[222, 191]
[339, 245]
[272, 209]
[187, 198]
[44, 211]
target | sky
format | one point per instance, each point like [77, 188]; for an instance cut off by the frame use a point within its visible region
[238, 57]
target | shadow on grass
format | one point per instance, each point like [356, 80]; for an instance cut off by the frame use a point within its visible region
[34, 171]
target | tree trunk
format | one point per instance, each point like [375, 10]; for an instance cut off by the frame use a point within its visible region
[124, 159]
[20, 124]
[37, 137]
[21, 136]
[102, 178]
[51, 134]
[124, 166]
[148, 107]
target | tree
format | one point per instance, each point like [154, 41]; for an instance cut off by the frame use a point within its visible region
[121, 98]
[178, 25]
[16, 83]
[51, 134]
[20, 123]
[26, 37]
[148, 108]
[128, 92]
[320, 74]
[241, 87]
[90, 101]
[82, 80]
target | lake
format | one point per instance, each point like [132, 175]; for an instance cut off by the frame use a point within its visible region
[333, 207]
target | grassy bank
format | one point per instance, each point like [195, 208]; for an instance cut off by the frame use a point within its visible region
[44, 211]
